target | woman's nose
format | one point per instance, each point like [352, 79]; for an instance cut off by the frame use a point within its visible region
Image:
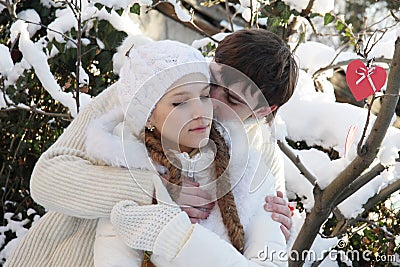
[201, 108]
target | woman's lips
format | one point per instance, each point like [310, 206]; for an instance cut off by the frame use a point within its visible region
[200, 129]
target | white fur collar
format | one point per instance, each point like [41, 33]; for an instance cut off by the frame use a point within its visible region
[110, 141]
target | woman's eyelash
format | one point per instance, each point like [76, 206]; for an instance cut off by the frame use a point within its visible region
[184, 102]
[178, 104]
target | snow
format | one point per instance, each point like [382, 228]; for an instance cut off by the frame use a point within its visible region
[6, 63]
[319, 6]
[227, 25]
[64, 22]
[17, 227]
[298, 5]
[323, 6]
[313, 56]
[181, 13]
[204, 41]
[32, 16]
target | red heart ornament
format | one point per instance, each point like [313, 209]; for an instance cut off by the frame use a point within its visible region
[364, 81]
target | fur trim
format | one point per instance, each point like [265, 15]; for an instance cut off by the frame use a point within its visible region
[110, 141]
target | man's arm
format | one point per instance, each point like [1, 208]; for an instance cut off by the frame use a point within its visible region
[66, 180]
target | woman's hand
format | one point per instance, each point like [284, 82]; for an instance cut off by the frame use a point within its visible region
[280, 212]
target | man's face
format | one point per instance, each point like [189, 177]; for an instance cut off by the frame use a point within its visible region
[237, 101]
[230, 101]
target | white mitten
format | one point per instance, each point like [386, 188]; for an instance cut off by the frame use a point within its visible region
[162, 229]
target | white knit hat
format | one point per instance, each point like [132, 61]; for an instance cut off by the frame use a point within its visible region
[148, 73]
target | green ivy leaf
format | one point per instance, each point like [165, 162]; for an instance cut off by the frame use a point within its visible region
[99, 6]
[120, 11]
[108, 9]
[340, 26]
[328, 18]
[135, 9]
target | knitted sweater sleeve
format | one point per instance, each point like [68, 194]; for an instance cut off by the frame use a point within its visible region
[66, 180]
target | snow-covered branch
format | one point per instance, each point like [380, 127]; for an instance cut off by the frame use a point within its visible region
[360, 182]
[297, 162]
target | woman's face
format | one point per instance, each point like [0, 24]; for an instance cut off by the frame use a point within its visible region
[184, 114]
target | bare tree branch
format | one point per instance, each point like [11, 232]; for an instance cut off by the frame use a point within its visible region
[372, 46]
[361, 150]
[296, 161]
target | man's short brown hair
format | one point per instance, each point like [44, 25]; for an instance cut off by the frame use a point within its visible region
[265, 58]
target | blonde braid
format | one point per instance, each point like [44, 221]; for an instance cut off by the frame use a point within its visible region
[226, 203]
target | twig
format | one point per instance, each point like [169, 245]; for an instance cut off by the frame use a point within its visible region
[377, 226]
[306, 12]
[382, 195]
[251, 14]
[372, 46]
[35, 110]
[296, 161]
[88, 51]
[79, 57]
[362, 149]
[202, 32]
[360, 182]
[312, 26]
[228, 14]
[394, 16]
[73, 8]
[62, 34]
[344, 63]
[377, 22]
[10, 8]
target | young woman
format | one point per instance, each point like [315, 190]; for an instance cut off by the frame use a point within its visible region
[75, 182]
[167, 121]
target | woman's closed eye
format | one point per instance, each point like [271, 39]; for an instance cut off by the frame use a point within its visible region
[183, 102]
[176, 104]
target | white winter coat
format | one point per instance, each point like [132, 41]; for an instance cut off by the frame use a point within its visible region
[208, 244]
